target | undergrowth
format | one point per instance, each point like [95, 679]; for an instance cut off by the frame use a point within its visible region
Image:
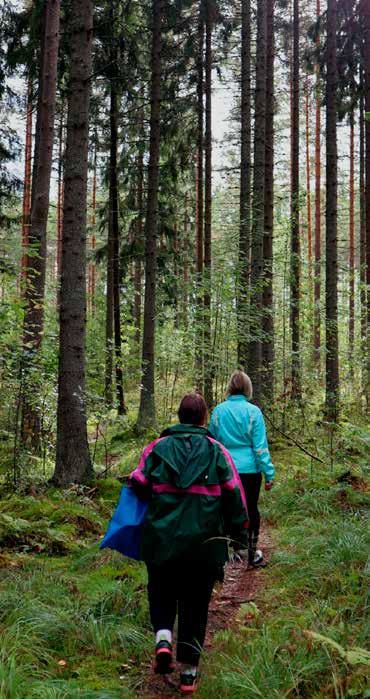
[74, 621]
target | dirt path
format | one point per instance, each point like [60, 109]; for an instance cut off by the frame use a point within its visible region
[241, 585]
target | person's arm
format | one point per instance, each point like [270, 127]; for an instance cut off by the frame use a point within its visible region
[261, 449]
[233, 504]
[140, 478]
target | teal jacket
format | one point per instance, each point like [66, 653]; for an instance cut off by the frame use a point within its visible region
[240, 427]
[195, 497]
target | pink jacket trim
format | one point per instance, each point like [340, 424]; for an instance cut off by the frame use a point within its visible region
[138, 473]
[213, 490]
[235, 481]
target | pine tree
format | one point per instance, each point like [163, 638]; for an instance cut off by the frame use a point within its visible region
[268, 311]
[258, 204]
[147, 416]
[317, 283]
[351, 246]
[208, 358]
[365, 9]
[245, 185]
[35, 288]
[27, 186]
[331, 288]
[295, 215]
[73, 463]
[199, 359]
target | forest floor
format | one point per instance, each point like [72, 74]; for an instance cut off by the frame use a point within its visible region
[74, 620]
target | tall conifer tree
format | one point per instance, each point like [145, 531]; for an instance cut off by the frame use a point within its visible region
[73, 463]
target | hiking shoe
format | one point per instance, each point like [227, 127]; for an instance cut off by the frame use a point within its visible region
[258, 557]
[163, 664]
[257, 561]
[188, 684]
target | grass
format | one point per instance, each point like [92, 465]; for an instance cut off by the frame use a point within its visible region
[74, 621]
[312, 608]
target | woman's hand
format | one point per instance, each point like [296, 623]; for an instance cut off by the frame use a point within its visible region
[269, 485]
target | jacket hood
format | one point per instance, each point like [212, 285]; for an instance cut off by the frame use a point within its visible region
[187, 451]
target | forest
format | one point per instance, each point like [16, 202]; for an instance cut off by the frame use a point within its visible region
[184, 191]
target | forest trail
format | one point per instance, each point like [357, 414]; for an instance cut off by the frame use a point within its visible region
[240, 587]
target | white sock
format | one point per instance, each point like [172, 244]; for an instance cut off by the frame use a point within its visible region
[163, 635]
[189, 670]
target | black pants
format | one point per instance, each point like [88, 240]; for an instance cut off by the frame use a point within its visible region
[251, 483]
[185, 589]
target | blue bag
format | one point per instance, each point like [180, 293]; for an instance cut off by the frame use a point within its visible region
[125, 527]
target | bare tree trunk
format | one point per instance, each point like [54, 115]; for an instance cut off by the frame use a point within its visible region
[146, 417]
[73, 464]
[366, 57]
[92, 267]
[258, 205]
[208, 357]
[331, 289]
[114, 222]
[268, 311]
[245, 188]
[317, 284]
[139, 232]
[186, 248]
[60, 200]
[35, 289]
[27, 188]
[199, 358]
[308, 187]
[295, 217]
[363, 241]
[351, 310]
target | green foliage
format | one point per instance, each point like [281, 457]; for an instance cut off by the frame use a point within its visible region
[76, 624]
[304, 638]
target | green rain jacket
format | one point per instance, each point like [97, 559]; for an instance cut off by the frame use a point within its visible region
[196, 500]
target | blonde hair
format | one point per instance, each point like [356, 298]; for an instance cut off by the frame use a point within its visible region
[240, 384]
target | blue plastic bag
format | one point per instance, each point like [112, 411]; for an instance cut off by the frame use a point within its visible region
[125, 528]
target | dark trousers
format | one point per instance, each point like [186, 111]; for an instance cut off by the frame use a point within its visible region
[251, 483]
[184, 589]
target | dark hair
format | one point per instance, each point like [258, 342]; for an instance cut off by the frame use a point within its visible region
[193, 410]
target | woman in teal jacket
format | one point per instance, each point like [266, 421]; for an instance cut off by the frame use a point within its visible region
[239, 425]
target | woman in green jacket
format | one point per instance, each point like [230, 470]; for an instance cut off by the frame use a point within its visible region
[195, 501]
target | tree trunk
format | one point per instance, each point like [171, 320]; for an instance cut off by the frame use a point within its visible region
[363, 241]
[92, 266]
[114, 222]
[186, 248]
[366, 13]
[245, 187]
[331, 288]
[199, 359]
[308, 187]
[139, 232]
[258, 205]
[295, 216]
[146, 417]
[317, 284]
[208, 358]
[109, 305]
[60, 201]
[36, 271]
[34, 313]
[268, 311]
[27, 188]
[351, 310]
[73, 464]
